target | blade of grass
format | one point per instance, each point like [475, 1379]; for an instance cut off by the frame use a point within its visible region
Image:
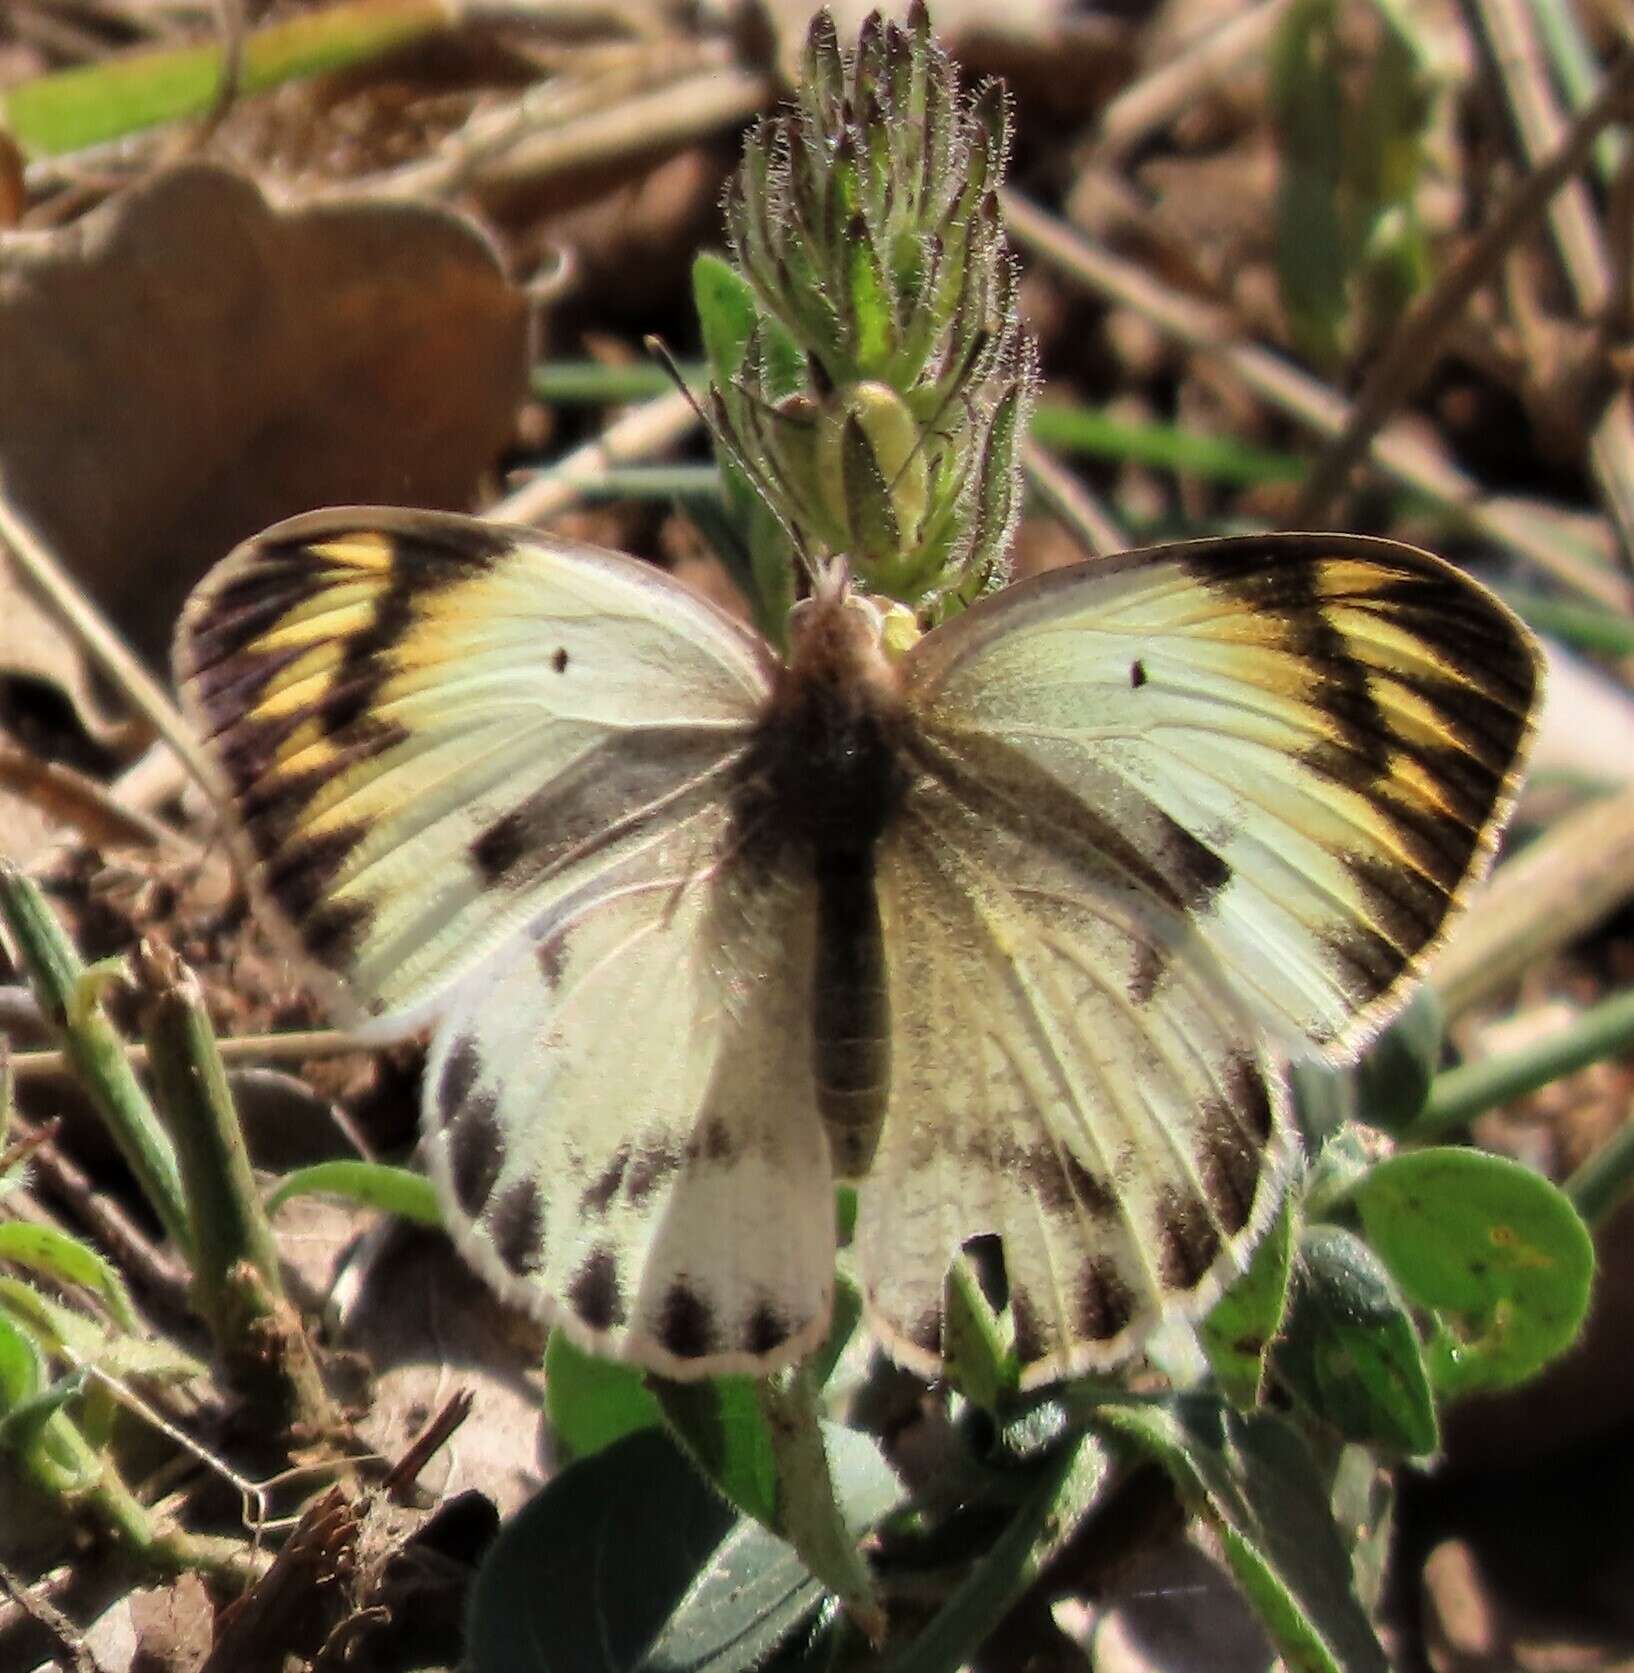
[1555, 890]
[1395, 453]
[92, 104]
[94, 1049]
[1461, 1094]
[1578, 624]
[1604, 1181]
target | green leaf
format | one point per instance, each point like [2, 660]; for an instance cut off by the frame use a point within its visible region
[721, 1425]
[978, 1362]
[593, 1402]
[759, 1441]
[1240, 1326]
[584, 1577]
[398, 1191]
[629, 1561]
[1306, 97]
[1393, 1078]
[727, 315]
[1495, 1251]
[22, 1367]
[1070, 1484]
[54, 1327]
[54, 1252]
[1252, 1478]
[1349, 1353]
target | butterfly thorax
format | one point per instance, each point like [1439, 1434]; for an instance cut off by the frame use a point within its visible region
[823, 780]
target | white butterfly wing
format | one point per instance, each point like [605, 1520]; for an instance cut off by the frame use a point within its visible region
[1121, 1131]
[1307, 743]
[431, 729]
[1174, 814]
[622, 1118]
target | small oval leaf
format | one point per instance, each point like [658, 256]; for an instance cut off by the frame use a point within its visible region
[1348, 1353]
[1494, 1250]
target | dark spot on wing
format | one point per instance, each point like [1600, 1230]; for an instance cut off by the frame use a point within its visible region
[1146, 971]
[1229, 1164]
[1137, 674]
[686, 1326]
[332, 933]
[767, 1330]
[549, 955]
[1105, 1303]
[1187, 1240]
[476, 1151]
[1147, 846]
[559, 660]
[500, 846]
[925, 1332]
[593, 1291]
[1250, 1096]
[711, 1141]
[1059, 1180]
[460, 1071]
[650, 1166]
[602, 1189]
[1030, 1343]
[516, 1223]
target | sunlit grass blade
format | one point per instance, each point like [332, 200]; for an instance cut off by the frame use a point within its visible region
[93, 104]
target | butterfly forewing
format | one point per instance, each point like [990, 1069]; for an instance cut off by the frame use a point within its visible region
[1316, 738]
[431, 728]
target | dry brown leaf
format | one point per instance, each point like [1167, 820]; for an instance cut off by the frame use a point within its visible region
[34, 644]
[187, 364]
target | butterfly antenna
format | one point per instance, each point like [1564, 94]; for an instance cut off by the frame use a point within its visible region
[659, 349]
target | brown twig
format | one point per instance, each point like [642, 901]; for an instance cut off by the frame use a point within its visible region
[64, 1635]
[1395, 452]
[73, 799]
[1418, 342]
[1577, 872]
[102, 644]
[1166, 90]
[1507, 32]
[1072, 505]
[297, 1046]
[649, 429]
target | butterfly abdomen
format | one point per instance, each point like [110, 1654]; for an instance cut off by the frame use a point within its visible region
[851, 1022]
[826, 777]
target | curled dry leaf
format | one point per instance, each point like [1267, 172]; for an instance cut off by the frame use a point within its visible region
[188, 364]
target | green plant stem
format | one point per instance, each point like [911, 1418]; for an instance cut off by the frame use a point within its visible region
[589, 383]
[1578, 624]
[93, 1048]
[236, 1283]
[1069, 1485]
[1579, 75]
[1461, 1094]
[72, 109]
[1605, 1179]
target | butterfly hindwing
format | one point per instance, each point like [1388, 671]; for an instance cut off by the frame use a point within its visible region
[615, 1124]
[1316, 738]
[1120, 1132]
[430, 728]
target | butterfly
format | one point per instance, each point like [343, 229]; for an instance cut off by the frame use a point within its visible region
[1017, 926]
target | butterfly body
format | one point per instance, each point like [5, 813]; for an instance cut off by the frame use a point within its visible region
[1016, 927]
